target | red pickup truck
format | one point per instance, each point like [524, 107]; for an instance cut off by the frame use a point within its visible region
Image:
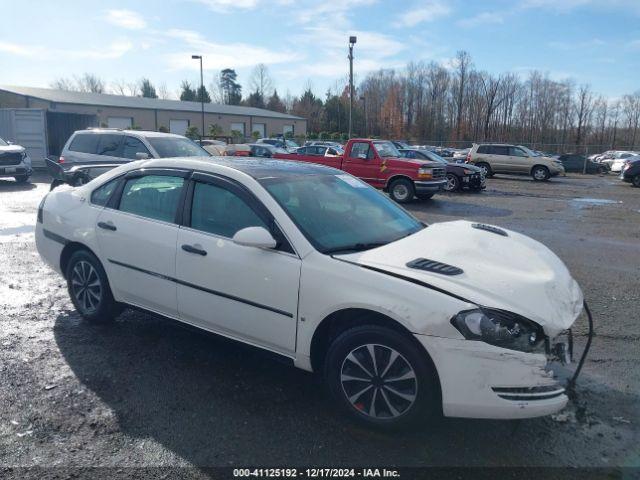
[379, 163]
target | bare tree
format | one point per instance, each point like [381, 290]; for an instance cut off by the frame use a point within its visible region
[163, 92]
[584, 107]
[260, 81]
[463, 64]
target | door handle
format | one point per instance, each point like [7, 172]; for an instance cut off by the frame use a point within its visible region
[192, 249]
[107, 226]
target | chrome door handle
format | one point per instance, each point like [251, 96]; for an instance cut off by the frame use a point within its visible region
[192, 249]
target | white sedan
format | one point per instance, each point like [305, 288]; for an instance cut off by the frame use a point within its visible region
[403, 320]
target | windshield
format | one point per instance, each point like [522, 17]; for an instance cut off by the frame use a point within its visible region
[531, 153]
[434, 156]
[3, 143]
[387, 149]
[168, 147]
[339, 213]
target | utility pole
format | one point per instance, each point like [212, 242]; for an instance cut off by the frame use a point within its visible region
[199, 57]
[366, 126]
[352, 41]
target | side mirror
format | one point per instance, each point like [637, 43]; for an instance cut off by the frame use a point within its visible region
[142, 155]
[257, 237]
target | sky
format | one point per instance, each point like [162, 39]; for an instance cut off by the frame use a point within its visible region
[305, 43]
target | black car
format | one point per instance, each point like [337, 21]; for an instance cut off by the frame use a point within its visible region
[631, 172]
[459, 175]
[574, 162]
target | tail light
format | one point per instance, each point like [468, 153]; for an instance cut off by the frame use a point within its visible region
[61, 159]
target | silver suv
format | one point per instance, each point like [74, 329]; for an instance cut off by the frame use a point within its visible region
[14, 162]
[513, 159]
[108, 146]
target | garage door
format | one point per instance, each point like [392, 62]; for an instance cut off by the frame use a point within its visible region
[120, 122]
[179, 127]
[26, 127]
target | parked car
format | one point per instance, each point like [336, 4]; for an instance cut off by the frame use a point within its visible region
[14, 162]
[264, 150]
[321, 270]
[379, 163]
[513, 159]
[207, 141]
[460, 154]
[459, 176]
[400, 144]
[280, 142]
[215, 149]
[631, 172]
[319, 150]
[237, 150]
[574, 162]
[616, 160]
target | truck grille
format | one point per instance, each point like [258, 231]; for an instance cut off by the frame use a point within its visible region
[13, 158]
[439, 173]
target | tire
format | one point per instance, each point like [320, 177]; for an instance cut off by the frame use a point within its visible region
[635, 181]
[540, 173]
[22, 178]
[402, 190]
[453, 183]
[89, 288]
[424, 196]
[401, 403]
[486, 169]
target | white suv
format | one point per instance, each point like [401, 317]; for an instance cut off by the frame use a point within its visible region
[495, 158]
[14, 162]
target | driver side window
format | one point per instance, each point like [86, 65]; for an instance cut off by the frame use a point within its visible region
[361, 148]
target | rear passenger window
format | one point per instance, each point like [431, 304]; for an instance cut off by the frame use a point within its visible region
[100, 196]
[152, 196]
[109, 144]
[500, 150]
[219, 211]
[85, 143]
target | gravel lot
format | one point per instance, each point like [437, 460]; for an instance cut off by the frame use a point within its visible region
[148, 392]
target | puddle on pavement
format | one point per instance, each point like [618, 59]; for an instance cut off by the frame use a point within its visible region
[595, 201]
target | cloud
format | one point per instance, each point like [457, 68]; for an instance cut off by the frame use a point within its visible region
[16, 49]
[567, 46]
[126, 19]
[483, 18]
[219, 55]
[114, 50]
[428, 12]
[331, 12]
[226, 6]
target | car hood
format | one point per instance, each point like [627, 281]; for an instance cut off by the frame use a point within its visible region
[11, 149]
[467, 166]
[513, 272]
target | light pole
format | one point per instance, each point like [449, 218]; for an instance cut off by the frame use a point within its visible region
[352, 42]
[199, 57]
[366, 127]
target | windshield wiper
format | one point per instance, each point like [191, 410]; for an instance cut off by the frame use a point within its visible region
[356, 247]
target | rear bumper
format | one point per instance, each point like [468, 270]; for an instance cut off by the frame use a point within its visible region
[433, 186]
[482, 381]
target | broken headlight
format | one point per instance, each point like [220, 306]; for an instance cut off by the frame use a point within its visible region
[500, 328]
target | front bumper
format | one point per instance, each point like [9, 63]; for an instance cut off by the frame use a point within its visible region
[475, 181]
[479, 380]
[433, 186]
[15, 170]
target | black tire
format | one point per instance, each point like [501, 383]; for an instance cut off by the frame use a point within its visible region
[540, 173]
[424, 196]
[390, 410]
[402, 190]
[22, 178]
[635, 181]
[84, 273]
[486, 167]
[453, 183]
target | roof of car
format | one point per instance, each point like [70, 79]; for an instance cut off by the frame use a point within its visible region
[143, 133]
[258, 168]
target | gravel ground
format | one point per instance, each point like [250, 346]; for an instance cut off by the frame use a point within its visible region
[148, 392]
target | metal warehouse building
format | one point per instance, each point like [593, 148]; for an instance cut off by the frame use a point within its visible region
[42, 119]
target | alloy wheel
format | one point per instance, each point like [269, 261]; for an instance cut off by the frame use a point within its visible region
[86, 286]
[540, 174]
[378, 381]
[452, 183]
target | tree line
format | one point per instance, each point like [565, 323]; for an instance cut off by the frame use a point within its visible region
[428, 103]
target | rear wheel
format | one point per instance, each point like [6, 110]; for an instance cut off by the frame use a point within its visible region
[486, 169]
[453, 183]
[89, 288]
[381, 378]
[540, 173]
[402, 190]
[636, 181]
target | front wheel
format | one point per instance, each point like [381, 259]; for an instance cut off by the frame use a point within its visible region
[381, 378]
[453, 183]
[402, 190]
[89, 288]
[22, 178]
[540, 173]
[486, 169]
[636, 181]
